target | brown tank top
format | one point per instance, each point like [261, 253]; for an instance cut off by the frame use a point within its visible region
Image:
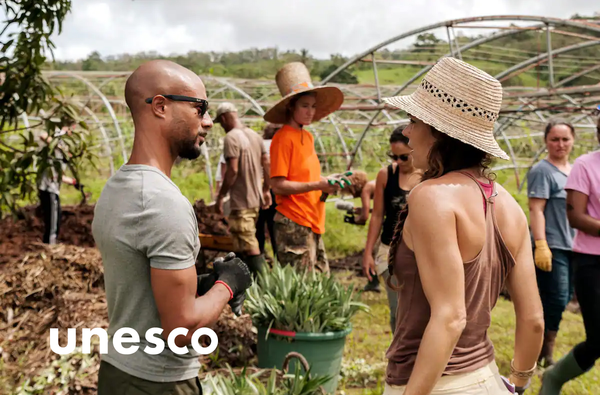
[484, 279]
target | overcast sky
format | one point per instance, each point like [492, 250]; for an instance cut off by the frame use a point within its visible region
[322, 26]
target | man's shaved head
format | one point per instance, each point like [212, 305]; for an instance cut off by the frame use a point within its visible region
[179, 124]
[160, 77]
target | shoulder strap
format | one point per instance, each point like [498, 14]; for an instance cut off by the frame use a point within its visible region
[489, 200]
[390, 173]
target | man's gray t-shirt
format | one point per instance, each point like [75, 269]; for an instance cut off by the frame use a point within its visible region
[546, 181]
[142, 220]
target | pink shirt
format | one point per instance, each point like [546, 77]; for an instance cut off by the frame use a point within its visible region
[585, 178]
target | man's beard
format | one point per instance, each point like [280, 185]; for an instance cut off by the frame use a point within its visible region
[185, 145]
[189, 150]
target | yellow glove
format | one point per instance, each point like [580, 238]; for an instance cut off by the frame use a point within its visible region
[543, 255]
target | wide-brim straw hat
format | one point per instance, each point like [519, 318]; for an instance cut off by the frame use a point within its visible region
[294, 78]
[459, 100]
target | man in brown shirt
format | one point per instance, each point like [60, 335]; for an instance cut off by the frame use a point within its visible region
[247, 163]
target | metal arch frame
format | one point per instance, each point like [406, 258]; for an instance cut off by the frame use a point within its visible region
[104, 135]
[492, 37]
[243, 93]
[454, 22]
[106, 82]
[257, 94]
[104, 100]
[577, 75]
[546, 56]
[546, 22]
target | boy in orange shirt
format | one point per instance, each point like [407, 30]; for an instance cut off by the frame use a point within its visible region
[295, 168]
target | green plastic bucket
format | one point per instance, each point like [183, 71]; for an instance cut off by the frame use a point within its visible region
[323, 351]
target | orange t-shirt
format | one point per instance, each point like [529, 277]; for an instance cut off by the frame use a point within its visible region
[293, 156]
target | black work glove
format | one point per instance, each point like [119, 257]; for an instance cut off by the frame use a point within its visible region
[234, 273]
[237, 302]
[207, 281]
[78, 186]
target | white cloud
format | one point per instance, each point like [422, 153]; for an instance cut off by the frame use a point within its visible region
[322, 26]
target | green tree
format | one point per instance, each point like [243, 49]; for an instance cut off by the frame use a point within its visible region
[304, 56]
[427, 42]
[24, 158]
[344, 77]
[93, 62]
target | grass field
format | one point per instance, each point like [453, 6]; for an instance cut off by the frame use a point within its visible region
[400, 74]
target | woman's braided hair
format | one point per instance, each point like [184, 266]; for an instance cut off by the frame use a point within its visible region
[447, 154]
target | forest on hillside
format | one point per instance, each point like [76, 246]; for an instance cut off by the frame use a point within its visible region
[263, 63]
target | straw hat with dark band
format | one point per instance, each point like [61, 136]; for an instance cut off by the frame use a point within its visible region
[294, 78]
[458, 100]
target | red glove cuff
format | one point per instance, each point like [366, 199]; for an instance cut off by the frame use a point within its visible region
[229, 288]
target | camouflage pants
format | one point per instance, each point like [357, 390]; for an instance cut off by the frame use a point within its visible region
[299, 246]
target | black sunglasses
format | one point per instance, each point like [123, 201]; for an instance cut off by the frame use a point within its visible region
[403, 157]
[203, 103]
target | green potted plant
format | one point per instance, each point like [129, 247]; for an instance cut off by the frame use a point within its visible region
[296, 310]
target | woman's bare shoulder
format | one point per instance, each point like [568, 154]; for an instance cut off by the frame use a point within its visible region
[432, 193]
[508, 210]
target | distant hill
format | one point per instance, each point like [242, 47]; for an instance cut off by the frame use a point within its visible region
[494, 57]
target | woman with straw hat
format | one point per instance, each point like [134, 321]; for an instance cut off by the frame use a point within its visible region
[295, 168]
[459, 240]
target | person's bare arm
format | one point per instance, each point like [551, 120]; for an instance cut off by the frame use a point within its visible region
[523, 290]
[282, 186]
[178, 307]
[376, 221]
[68, 180]
[577, 213]
[442, 275]
[365, 199]
[168, 236]
[223, 170]
[230, 176]
[537, 218]
[266, 172]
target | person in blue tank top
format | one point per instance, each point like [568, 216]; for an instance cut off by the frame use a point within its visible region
[392, 186]
[550, 230]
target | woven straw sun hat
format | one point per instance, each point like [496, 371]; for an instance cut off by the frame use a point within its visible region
[459, 100]
[294, 78]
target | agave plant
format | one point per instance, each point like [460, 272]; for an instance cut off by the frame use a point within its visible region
[243, 384]
[298, 300]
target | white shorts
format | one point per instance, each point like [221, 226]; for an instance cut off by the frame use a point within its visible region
[485, 380]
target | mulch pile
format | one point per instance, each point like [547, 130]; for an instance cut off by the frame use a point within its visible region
[76, 227]
[208, 221]
[47, 287]
[62, 287]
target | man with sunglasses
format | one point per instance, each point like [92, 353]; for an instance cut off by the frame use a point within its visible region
[147, 234]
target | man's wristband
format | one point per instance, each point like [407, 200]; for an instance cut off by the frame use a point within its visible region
[228, 288]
